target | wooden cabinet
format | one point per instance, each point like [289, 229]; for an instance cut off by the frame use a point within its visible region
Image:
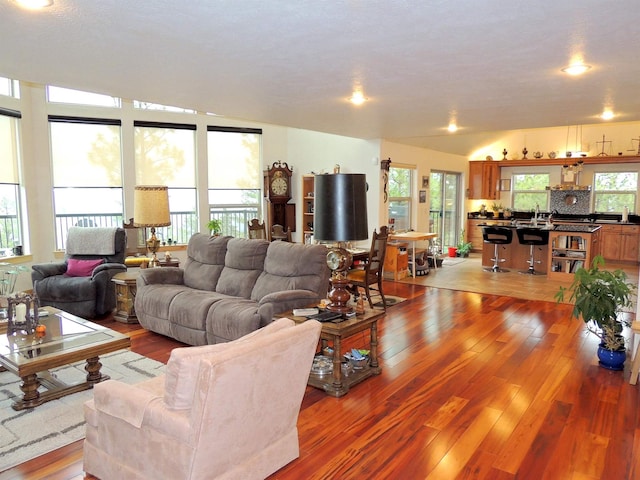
[474, 234]
[396, 261]
[620, 243]
[570, 250]
[483, 180]
[308, 187]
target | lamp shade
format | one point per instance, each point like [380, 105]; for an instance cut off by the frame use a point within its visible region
[340, 207]
[151, 206]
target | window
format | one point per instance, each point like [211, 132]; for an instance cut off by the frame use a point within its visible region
[9, 88]
[234, 193]
[400, 195]
[165, 154]
[78, 97]
[529, 190]
[612, 191]
[10, 219]
[87, 173]
[156, 106]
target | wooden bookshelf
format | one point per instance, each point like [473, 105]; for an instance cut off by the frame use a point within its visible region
[571, 249]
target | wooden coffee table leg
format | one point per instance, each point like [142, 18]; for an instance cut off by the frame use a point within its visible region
[93, 367]
[29, 387]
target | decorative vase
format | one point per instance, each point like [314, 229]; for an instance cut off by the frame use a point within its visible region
[611, 359]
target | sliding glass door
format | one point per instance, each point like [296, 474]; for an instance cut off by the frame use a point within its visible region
[444, 212]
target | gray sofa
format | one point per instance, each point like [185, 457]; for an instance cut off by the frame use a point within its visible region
[229, 287]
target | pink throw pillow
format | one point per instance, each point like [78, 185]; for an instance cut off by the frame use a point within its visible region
[81, 268]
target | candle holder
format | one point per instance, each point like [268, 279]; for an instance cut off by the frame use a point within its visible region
[22, 313]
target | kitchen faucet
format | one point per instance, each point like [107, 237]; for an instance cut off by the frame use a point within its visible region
[535, 216]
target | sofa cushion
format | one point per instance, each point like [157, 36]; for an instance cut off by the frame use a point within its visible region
[184, 364]
[291, 266]
[243, 265]
[205, 261]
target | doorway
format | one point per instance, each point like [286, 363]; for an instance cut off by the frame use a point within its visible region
[444, 209]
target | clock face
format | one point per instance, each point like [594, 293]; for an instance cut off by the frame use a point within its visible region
[279, 186]
[334, 259]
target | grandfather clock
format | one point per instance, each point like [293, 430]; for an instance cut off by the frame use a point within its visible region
[277, 190]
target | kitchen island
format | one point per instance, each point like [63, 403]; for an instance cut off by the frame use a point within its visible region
[570, 246]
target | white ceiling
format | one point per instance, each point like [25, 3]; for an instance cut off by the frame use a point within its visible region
[495, 64]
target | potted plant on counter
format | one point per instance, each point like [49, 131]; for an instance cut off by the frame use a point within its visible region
[597, 297]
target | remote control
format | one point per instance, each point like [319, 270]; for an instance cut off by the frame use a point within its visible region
[304, 312]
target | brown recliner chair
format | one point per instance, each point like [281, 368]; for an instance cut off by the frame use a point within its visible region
[88, 291]
[228, 410]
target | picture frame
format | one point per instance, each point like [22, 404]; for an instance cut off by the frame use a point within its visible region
[425, 181]
[423, 196]
[505, 185]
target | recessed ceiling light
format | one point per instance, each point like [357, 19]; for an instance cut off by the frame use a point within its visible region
[607, 114]
[452, 127]
[576, 69]
[33, 4]
[357, 98]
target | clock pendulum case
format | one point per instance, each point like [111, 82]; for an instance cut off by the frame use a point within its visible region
[277, 190]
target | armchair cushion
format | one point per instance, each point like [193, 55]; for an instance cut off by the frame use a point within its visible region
[82, 268]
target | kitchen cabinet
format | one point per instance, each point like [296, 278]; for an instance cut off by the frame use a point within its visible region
[483, 180]
[572, 247]
[474, 234]
[620, 243]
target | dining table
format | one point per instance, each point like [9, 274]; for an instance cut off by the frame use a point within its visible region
[413, 237]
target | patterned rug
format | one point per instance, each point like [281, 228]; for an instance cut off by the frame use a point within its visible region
[27, 434]
[390, 300]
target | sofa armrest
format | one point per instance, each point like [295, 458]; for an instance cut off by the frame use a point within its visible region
[44, 270]
[123, 401]
[161, 275]
[289, 299]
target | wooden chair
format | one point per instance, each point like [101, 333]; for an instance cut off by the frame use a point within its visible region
[257, 230]
[278, 233]
[371, 272]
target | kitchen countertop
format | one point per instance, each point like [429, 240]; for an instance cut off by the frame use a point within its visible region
[565, 227]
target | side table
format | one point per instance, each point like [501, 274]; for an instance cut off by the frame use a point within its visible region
[125, 283]
[337, 384]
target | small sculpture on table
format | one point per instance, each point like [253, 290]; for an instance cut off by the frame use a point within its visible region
[22, 313]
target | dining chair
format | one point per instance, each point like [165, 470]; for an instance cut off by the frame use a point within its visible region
[371, 272]
[257, 230]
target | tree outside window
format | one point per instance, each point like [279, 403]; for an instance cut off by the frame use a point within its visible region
[529, 190]
[615, 190]
[400, 198]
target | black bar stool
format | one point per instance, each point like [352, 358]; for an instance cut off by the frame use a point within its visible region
[532, 237]
[497, 236]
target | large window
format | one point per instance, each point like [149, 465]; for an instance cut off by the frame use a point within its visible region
[165, 154]
[529, 191]
[9, 88]
[10, 224]
[87, 173]
[78, 97]
[400, 198]
[234, 177]
[613, 191]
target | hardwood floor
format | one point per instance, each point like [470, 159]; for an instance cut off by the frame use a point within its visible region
[473, 386]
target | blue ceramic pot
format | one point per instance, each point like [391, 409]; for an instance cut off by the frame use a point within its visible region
[611, 359]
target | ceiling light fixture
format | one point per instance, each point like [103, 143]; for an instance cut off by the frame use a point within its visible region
[452, 127]
[607, 114]
[576, 69]
[34, 4]
[357, 98]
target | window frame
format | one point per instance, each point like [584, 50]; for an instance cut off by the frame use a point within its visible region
[515, 191]
[598, 193]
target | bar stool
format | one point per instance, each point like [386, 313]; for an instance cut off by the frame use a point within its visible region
[532, 237]
[497, 236]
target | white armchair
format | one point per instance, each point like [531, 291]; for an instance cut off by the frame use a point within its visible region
[223, 411]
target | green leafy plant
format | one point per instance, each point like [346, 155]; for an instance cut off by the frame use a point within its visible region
[464, 248]
[496, 207]
[214, 226]
[597, 297]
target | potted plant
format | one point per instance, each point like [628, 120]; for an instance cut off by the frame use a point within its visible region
[214, 226]
[597, 297]
[463, 247]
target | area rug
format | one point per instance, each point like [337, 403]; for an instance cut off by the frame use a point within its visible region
[390, 301]
[33, 432]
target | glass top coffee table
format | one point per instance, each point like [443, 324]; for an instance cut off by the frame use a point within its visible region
[67, 339]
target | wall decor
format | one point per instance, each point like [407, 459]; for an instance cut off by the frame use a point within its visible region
[423, 196]
[505, 185]
[425, 181]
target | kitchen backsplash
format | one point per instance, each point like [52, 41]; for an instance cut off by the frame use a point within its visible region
[571, 202]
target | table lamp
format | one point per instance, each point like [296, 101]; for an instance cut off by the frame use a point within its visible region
[340, 216]
[151, 209]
